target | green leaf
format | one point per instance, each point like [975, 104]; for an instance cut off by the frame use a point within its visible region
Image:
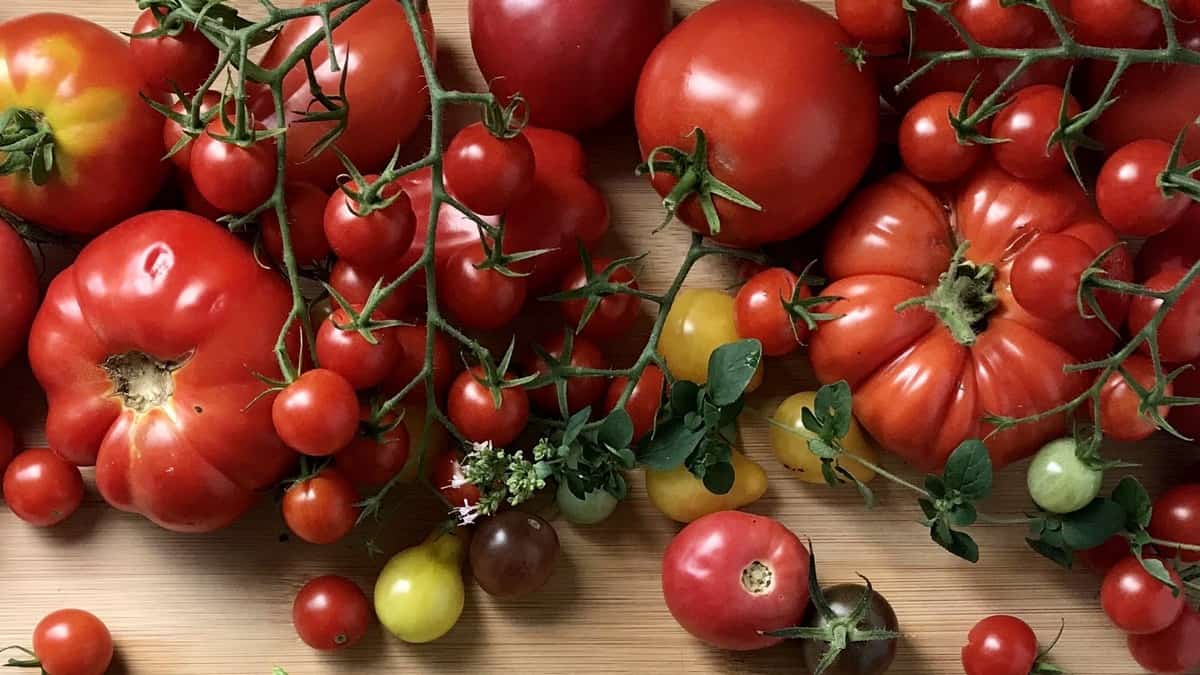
[959, 543]
[684, 397]
[1092, 525]
[822, 449]
[868, 495]
[935, 486]
[671, 446]
[1132, 497]
[928, 508]
[616, 431]
[730, 369]
[834, 403]
[1155, 568]
[617, 487]
[828, 474]
[278, 671]
[809, 419]
[1060, 556]
[627, 458]
[575, 425]
[962, 515]
[969, 470]
[718, 478]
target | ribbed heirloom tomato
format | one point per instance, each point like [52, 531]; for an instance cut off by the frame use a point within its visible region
[148, 347]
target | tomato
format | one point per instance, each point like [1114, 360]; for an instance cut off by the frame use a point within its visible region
[1128, 194]
[331, 612]
[171, 62]
[614, 314]
[349, 354]
[355, 284]
[322, 509]
[1027, 124]
[234, 177]
[736, 68]
[759, 311]
[412, 358]
[643, 402]
[1175, 649]
[790, 442]
[173, 132]
[1179, 332]
[369, 240]
[1104, 557]
[1177, 247]
[149, 348]
[73, 642]
[480, 298]
[1060, 482]
[426, 446]
[1121, 407]
[193, 201]
[870, 657]
[1046, 275]
[419, 594]
[8, 444]
[576, 63]
[486, 173]
[997, 24]
[881, 25]
[448, 478]
[1000, 645]
[700, 321]
[581, 391]
[1177, 518]
[1138, 603]
[682, 497]
[374, 456]
[317, 414]
[105, 140]
[1115, 23]
[929, 145]
[473, 410]
[384, 89]
[305, 207]
[595, 507]
[18, 303]
[923, 380]
[42, 489]
[513, 554]
[730, 574]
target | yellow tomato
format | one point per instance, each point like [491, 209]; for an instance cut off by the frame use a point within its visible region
[700, 320]
[419, 594]
[414, 421]
[683, 497]
[790, 439]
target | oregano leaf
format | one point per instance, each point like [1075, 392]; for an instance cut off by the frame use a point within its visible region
[683, 397]
[575, 425]
[834, 405]
[1092, 525]
[959, 543]
[828, 474]
[1155, 568]
[928, 508]
[969, 470]
[1135, 501]
[730, 369]
[719, 478]
[935, 486]
[616, 431]
[1060, 556]
[962, 515]
[671, 446]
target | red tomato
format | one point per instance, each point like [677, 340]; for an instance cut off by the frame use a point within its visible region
[1115, 23]
[929, 144]
[384, 85]
[1046, 273]
[614, 314]
[331, 612]
[881, 25]
[1186, 419]
[644, 401]
[486, 173]
[1138, 603]
[997, 24]
[1173, 650]
[723, 70]
[106, 142]
[1104, 557]
[317, 414]
[18, 303]
[1120, 406]
[759, 311]
[576, 63]
[173, 132]
[322, 509]
[1178, 247]
[42, 489]
[193, 201]
[1177, 518]
[73, 642]
[581, 391]
[1000, 645]
[355, 284]
[918, 389]
[374, 457]
[1127, 191]
[305, 210]
[473, 410]
[347, 352]
[232, 177]
[728, 575]
[1179, 332]
[369, 240]
[412, 358]
[448, 478]
[171, 63]
[479, 299]
[1027, 123]
[8, 444]
[172, 314]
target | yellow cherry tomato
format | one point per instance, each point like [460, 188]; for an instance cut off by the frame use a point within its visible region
[683, 497]
[790, 439]
[414, 421]
[419, 594]
[700, 320]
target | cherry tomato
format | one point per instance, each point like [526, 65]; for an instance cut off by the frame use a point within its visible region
[1179, 332]
[473, 410]
[173, 132]
[1177, 518]
[305, 208]
[1127, 191]
[19, 301]
[411, 340]
[881, 25]
[700, 321]
[448, 478]
[349, 354]
[331, 612]
[643, 402]
[1000, 645]
[581, 391]
[929, 146]
[1120, 405]
[728, 575]
[42, 489]
[73, 642]
[317, 414]
[8, 444]
[595, 507]
[1177, 247]
[871, 657]
[193, 201]
[513, 553]
[759, 311]
[997, 24]
[789, 440]
[1115, 23]
[1058, 481]
[1046, 273]
[1104, 557]
[1175, 649]
[171, 62]
[1138, 603]
[487, 173]
[370, 240]
[321, 509]
[355, 284]
[374, 457]
[233, 178]
[614, 314]
[1028, 123]
[480, 299]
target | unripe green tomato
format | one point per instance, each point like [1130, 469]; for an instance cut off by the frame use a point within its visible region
[1058, 481]
[595, 507]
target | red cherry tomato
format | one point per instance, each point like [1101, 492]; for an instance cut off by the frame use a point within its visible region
[41, 488]
[317, 414]
[929, 145]
[1120, 406]
[1045, 275]
[1115, 23]
[759, 312]
[997, 24]
[374, 457]
[1177, 518]
[1173, 650]
[171, 62]
[322, 509]
[193, 201]
[614, 314]
[19, 301]
[1000, 645]
[73, 642]
[1102, 558]
[355, 284]
[233, 178]
[331, 612]
[411, 340]
[1127, 191]
[1179, 332]
[1177, 247]
[644, 401]
[1138, 603]
[1028, 123]
[448, 478]
[349, 354]
[480, 299]
[487, 173]
[473, 410]
[8, 444]
[173, 131]
[372, 240]
[581, 391]
[881, 25]
[305, 210]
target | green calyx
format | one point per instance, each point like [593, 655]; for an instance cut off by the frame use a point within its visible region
[27, 144]
[962, 299]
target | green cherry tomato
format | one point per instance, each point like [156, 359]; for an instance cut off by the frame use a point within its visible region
[596, 506]
[1058, 481]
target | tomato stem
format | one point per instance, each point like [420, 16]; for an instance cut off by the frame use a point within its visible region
[962, 299]
[27, 143]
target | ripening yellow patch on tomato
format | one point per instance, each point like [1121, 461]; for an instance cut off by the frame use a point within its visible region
[700, 321]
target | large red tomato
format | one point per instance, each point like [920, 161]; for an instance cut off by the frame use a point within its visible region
[149, 348]
[576, 63]
[18, 301]
[919, 388]
[791, 123]
[77, 83]
[385, 89]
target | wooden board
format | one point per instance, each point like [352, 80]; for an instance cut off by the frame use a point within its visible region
[220, 604]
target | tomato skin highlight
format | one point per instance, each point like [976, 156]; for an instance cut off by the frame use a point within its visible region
[928, 143]
[1136, 602]
[317, 414]
[331, 612]
[487, 173]
[18, 303]
[73, 642]
[42, 489]
[1000, 645]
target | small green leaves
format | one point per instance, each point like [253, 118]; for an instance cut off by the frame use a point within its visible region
[969, 471]
[952, 498]
[27, 144]
[730, 369]
[673, 443]
[616, 431]
[1058, 536]
[1135, 501]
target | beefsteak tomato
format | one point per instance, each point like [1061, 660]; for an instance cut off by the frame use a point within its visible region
[148, 347]
[19, 279]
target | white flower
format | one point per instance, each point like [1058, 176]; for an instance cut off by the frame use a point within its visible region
[467, 514]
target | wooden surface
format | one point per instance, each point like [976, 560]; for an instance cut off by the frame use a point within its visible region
[220, 604]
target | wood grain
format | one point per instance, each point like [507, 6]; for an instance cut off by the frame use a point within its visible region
[220, 604]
